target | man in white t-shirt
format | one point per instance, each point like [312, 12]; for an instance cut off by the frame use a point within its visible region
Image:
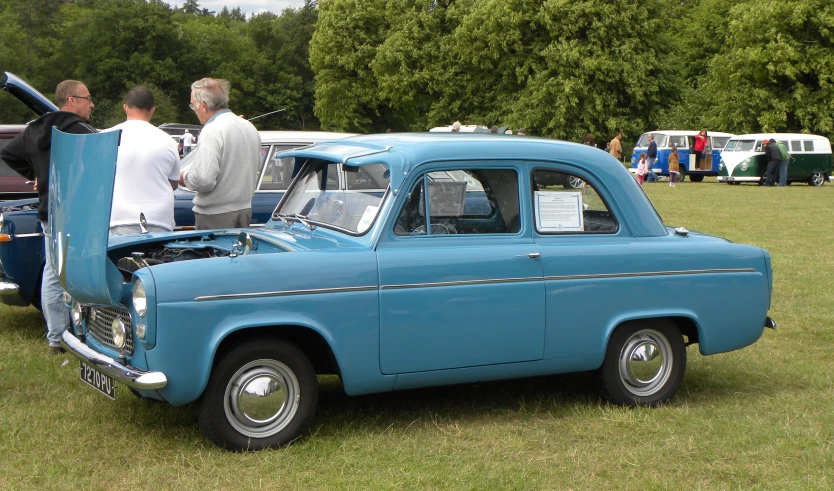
[147, 170]
[187, 140]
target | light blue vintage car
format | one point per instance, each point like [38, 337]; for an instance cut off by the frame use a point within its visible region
[463, 269]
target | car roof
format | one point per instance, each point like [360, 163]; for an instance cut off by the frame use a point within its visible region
[687, 132]
[273, 137]
[777, 136]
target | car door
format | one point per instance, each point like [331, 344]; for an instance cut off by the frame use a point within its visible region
[464, 287]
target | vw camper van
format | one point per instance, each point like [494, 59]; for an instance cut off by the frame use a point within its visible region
[684, 140]
[743, 159]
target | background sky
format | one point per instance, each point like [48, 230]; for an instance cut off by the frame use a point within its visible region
[248, 7]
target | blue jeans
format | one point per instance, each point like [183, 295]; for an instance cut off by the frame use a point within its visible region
[783, 173]
[52, 301]
[651, 176]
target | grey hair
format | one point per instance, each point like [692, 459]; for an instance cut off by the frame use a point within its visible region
[213, 91]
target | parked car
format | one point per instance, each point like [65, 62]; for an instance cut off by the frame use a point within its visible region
[273, 178]
[396, 290]
[12, 184]
[743, 159]
[684, 140]
[22, 256]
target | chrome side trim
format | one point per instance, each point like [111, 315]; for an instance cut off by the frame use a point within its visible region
[469, 282]
[648, 273]
[132, 377]
[7, 288]
[24, 236]
[286, 293]
[460, 283]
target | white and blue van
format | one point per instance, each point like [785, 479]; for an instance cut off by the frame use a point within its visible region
[684, 140]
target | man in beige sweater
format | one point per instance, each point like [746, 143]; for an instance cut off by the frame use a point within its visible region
[615, 148]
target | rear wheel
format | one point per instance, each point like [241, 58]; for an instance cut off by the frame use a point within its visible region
[817, 179]
[261, 394]
[644, 363]
[682, 174]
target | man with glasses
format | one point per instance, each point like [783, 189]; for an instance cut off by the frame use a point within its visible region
[225, 168]
[28, 154]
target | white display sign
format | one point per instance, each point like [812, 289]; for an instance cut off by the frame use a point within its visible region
[558, 211]
[367, 218]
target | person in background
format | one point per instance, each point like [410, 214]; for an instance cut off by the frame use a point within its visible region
[615, 148]
[783, 163]
[147, 170]
[699, 146]
[651, 159]
[674, 165]
[521, 131]
[588, 139]
[493, 130]
[456, 127]
[225, 168]
[187, 140]
[28, 154]
[641, 168]
[774, 158]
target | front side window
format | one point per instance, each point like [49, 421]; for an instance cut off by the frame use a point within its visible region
[719, 141]
[678, 141]
[317, 197]
[558, 209]
[462, 201]
[277, 172]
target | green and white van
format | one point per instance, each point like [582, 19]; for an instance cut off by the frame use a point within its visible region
[743, 159]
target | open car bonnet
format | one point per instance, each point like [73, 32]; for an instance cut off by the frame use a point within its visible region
[81, 176]
[26, 94]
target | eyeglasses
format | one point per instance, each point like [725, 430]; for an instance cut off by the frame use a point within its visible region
[89, 98]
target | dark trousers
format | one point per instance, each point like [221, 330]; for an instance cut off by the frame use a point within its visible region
[770, 174]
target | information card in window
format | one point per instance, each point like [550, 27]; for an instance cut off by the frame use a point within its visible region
[559, 211]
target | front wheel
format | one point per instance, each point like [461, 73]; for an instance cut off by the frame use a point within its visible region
[682, 174]
[261, 394]
[696, 178]
[644, 364]
[817, 179]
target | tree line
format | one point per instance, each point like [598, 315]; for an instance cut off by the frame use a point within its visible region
[560, 68]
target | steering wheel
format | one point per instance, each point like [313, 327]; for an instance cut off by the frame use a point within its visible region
[436, 229]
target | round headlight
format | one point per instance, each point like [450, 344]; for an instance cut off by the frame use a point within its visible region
[140, 303]
[743, 166]
[76, 313]
[117, 329]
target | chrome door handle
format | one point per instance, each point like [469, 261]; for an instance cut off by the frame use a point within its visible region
[532, 255]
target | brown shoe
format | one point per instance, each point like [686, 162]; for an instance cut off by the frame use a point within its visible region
[56, 350]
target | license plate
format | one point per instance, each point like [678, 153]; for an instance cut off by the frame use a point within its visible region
[99, 381]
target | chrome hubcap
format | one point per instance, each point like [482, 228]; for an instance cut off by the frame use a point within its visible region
[645, 362]
[261, 398]
[818, 179]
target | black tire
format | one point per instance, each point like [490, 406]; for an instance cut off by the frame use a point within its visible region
[240, 421]
[36, 296]
[817, 179]
[644, 364]
[682, 174]
[696, 178]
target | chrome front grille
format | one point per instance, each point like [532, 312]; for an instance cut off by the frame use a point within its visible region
[99, 318]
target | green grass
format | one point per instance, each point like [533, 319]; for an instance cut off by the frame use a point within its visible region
[761, 417]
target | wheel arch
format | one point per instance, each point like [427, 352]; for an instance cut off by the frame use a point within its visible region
[308, 339]
[685, 323]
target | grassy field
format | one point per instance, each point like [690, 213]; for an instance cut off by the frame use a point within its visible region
[761, 417]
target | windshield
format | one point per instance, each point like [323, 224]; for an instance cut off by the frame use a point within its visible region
[739, 145]
[330, 194]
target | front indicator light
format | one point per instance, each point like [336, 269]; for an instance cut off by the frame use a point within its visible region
[141, 329]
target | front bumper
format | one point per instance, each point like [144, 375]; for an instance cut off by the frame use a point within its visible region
[770, 323]
[132, 377]
[10, 294]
